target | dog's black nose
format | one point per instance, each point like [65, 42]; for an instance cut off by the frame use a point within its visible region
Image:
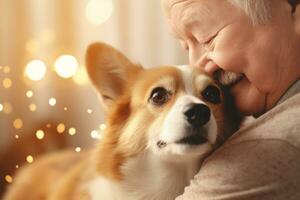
[197, 115]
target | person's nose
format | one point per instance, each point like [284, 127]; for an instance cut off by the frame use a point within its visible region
[199, 58]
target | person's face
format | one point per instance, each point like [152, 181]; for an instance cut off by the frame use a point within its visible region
[221, 39]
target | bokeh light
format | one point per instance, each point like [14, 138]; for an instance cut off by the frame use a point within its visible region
[102, 127]
[17, 136]
[18, 123]
[52, 101]
[7, 83]
[98, 11]
[7, 108]
[95, 134]
[35, 70]
[29, 94]
[66, 66]
[8, 179]
[77, 149]
[29, 159]
[60, 128]
[89, 111]
[72, 131]
[32, 107]
[40, 134]
[81, 77]
[1, 107]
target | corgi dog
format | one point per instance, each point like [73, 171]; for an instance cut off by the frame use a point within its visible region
[161, 123]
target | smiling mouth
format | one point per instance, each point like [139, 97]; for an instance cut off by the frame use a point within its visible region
[228, 78]
[196, 139]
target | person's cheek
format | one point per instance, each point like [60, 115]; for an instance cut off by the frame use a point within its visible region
[229, 54]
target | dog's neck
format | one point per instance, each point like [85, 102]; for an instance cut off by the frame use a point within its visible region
[148, 177]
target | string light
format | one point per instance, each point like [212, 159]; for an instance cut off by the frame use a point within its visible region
[60, 128]
[40, 134]
[66, 66]
[18, 123]
[35, 70]
[97, 12]
[52, 101]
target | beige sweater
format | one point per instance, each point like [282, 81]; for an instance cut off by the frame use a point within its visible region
[260, 161]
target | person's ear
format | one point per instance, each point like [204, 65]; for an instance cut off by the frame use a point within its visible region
[110, 71]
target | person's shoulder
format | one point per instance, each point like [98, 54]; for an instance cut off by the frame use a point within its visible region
[282, 123]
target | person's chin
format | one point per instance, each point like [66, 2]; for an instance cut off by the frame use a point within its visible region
[248, 100]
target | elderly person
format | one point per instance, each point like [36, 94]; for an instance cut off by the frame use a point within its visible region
[253, 47]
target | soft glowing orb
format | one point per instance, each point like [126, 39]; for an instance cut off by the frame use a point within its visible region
[1, 107]
[89, 111]
[32, 107]
[18, 123]
[7, 108]
[17, 166]
[52, 101]
[72, 131]
[17, 136]
[8, 179]
[81, 77]
[98, 11]
[77, 149]
[48, 125]
[95, 134]
[65, 108]
[29, 159]
[29, 94]
[40, 134]
[66, 66]
[35, 70]
[60, 128]
[102, 127]
[7, 83]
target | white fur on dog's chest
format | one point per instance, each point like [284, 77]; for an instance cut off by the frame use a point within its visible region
[145, 178]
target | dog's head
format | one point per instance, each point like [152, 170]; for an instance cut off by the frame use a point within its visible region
[174, 112]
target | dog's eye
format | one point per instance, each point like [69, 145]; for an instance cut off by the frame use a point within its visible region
[159, 96]
[212, 94]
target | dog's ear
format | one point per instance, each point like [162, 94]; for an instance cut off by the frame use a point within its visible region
[109, 71]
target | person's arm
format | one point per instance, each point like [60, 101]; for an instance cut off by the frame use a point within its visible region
[258, 169]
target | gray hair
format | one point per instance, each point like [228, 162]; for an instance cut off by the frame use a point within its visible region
[259, 11]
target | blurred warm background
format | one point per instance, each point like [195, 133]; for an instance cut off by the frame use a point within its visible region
[46, 100]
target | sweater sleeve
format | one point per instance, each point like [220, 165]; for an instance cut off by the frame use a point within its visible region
[250, 170]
